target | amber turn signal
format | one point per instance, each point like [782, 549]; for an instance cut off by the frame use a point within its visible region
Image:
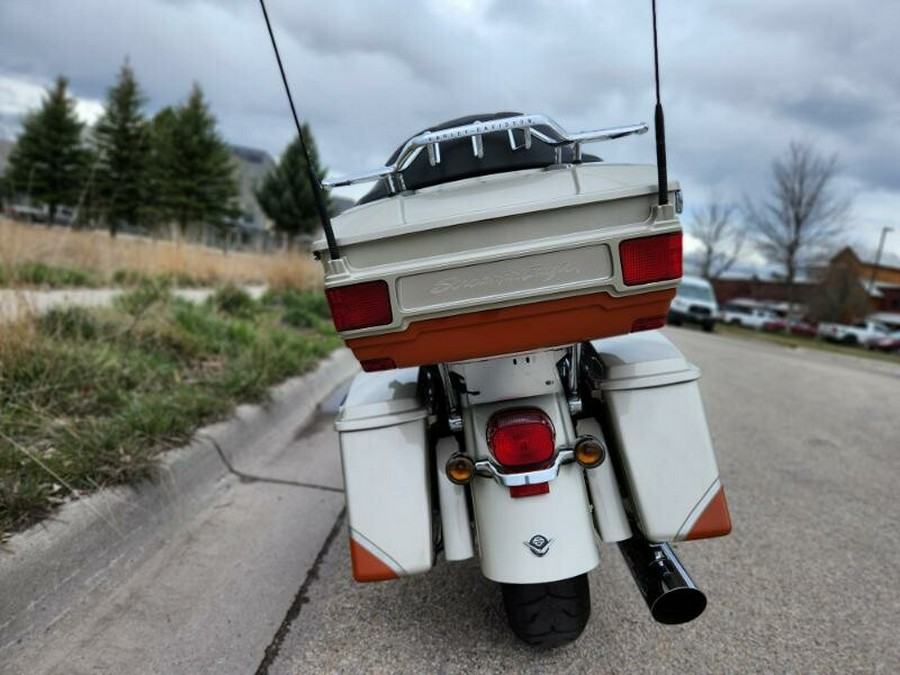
[589, 452]
[460, 469]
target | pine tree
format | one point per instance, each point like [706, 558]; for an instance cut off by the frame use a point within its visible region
[48, 163]
[286, 195]
[123, 143]
[193, 174]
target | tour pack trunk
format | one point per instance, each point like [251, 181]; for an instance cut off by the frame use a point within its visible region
[503, 263]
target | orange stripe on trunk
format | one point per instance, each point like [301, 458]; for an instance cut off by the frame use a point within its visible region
[715, 520]
[519, 328]
[366, 566]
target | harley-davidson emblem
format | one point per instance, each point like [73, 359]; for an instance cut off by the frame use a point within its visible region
[539, 545]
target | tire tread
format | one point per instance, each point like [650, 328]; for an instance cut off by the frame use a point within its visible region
[548, 615]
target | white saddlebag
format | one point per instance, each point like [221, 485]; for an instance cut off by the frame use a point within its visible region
[661, 440]
[382, 430]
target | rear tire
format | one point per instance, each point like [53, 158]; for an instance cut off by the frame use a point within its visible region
[550, 614]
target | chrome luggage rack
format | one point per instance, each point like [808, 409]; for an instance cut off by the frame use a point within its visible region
[431, 141]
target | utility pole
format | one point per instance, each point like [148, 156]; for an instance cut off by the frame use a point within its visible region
[884, 232]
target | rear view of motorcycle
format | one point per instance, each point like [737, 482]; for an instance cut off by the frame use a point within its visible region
[502, 291]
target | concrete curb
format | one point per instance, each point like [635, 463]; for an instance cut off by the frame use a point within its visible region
[101, 538]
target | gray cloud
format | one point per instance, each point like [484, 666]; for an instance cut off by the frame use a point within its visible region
[740, 80]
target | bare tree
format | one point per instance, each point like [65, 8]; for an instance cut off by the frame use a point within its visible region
[803, 216]
[841, 297]
[722, 238]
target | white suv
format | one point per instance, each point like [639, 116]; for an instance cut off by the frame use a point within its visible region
[746, 315]
[694, 302]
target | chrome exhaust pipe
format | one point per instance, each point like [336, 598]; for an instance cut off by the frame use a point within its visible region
[668, 589]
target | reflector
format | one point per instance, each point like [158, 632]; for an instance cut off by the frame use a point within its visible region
[518, 491]
[360, 305]
[649, 259]
[374, 365]
[648, 323]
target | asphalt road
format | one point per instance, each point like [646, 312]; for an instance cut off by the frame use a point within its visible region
[809, 450]
[259, 581]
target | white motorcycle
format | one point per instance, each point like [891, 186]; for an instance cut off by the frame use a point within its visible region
[501, 291]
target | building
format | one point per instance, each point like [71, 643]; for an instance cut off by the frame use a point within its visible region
[880, 283]
[251, 167]
[843, 291]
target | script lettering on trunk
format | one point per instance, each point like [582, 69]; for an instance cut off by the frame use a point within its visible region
[540, 272]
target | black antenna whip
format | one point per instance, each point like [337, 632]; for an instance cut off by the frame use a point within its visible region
[310, 173]
[660, 125]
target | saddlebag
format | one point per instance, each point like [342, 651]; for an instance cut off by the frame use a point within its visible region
[382, 427]
[504, 263]
[661, 443]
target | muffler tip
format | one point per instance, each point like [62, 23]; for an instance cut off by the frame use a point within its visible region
[678, 605]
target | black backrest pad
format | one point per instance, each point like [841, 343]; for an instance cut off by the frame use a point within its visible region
[458, 160]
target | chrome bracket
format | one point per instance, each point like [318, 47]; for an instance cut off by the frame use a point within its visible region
[487, 469]
[454, 419]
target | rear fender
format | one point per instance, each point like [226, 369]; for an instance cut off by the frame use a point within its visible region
[534, 539]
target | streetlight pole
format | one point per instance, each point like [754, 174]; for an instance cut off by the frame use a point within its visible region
[884, 232]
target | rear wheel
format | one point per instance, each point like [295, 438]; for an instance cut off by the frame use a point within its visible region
[550, 614]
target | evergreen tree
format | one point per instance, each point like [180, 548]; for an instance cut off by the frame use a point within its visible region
[286, 195]
[48, 162]
[193, 174]
[123, 143]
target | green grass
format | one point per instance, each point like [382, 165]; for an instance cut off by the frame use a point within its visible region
[800, 341]
[40, 275]
[89, 398]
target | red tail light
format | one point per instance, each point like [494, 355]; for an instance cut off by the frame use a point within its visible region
[649, 259]
[522, 437]
[360, 305]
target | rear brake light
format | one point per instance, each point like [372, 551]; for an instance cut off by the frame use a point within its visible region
[522, 437]
[649, 259]
[360, 305]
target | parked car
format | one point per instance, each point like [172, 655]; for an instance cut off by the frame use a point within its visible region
[694, 302]
[746, 314]
[802, 328]
[859, 333]
[886, 343]
[777, 325]
[793, 326]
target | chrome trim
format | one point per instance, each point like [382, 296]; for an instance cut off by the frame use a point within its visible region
[432, 139]
[487, 469]
[454, 420]
[573, 399]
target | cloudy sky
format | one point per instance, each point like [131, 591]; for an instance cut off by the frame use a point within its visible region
[741, 80]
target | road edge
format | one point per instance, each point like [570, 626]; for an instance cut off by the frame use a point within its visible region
[45, 568]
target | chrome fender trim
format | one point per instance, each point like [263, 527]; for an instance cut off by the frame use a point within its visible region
[487, 469]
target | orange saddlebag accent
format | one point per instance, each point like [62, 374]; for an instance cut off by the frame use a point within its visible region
[519, 328]
[366, 566]
[715, 521]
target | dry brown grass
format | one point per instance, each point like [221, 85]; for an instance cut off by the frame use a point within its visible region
[100, 253]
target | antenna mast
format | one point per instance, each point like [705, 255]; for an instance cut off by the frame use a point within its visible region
[324, 218]
[660, 126]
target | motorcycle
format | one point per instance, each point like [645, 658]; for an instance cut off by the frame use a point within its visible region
[502, 291]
